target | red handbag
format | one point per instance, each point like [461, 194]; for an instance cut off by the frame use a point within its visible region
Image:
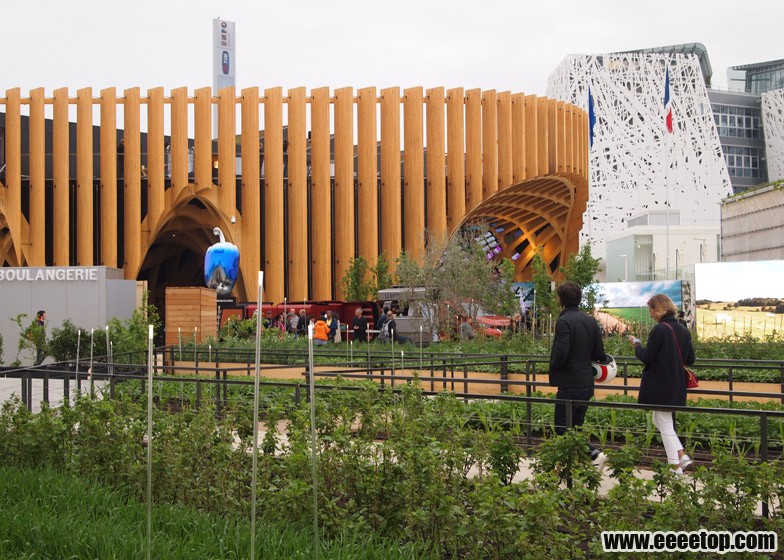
[691, 379]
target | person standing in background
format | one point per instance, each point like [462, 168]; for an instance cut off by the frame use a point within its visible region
[360, 325]
[39, 337]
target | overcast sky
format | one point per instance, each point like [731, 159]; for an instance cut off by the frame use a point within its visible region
[489, 44]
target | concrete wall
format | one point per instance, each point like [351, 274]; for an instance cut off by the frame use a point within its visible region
[88, 296]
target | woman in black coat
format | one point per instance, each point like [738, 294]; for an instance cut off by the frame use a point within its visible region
[665, 356]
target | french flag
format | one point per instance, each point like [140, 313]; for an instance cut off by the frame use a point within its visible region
[667, 102]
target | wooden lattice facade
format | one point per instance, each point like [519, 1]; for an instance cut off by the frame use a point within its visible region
[301, 183]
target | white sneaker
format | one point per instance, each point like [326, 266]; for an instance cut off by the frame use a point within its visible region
[685, 462]
[678, 473]
[599, 461]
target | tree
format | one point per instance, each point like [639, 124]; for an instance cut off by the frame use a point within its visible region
[381, 276]
[507, 301]
[544, 298]
[582, 269]
[355, 286]
[453, 278]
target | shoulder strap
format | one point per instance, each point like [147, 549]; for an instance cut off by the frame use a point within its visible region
[676, 343]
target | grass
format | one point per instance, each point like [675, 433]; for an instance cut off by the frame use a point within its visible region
[716, 320]
[44, 515]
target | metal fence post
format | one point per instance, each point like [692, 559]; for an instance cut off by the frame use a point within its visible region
[764, 458]
[730, 384]
[46, 386]
[504, 373]
[528, 410]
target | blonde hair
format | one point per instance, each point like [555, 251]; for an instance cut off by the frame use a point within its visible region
[661, 306]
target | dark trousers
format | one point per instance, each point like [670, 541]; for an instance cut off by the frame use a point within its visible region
[578, 410]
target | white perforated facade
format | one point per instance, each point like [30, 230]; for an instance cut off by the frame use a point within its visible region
[635, 165]
[773, 121]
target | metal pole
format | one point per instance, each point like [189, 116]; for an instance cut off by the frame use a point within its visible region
[255, 467]
[313, 442]
[90, 371]
[149, 442]
[78, 347]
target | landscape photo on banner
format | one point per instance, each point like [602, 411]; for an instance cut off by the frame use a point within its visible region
[744, 298]
[623, 306]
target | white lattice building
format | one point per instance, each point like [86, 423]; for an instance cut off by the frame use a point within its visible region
[773, 121]
[635, 165]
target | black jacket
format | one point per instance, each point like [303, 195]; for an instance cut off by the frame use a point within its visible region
[577, 343]
[663, 377]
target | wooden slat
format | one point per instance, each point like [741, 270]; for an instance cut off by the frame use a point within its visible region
[543, 136]
[274, 238]
[489, 143]
[84, 177]
[13, 171]
[37, 180]
[569, 138]
[320, 215]
[298, 226]
[552, 143]
[179, 143]
[391, 236]
[560, 136]
[504, 140]
[227, 152]
[414, 168]
[132, 211]
[531, 134]
[61, 215]
[436, 163]
[249, 242]
[473, 159]
[108, 155]
[518, 138]
[202, 142]
[455, 183]
[367, 171]
[156, 158]
[344, 185]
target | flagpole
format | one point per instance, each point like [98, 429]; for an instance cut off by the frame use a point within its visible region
[666, 160]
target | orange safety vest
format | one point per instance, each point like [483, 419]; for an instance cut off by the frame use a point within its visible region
[321, 330]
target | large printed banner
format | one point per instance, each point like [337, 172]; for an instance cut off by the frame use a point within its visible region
[624, 305]
[744, 298]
